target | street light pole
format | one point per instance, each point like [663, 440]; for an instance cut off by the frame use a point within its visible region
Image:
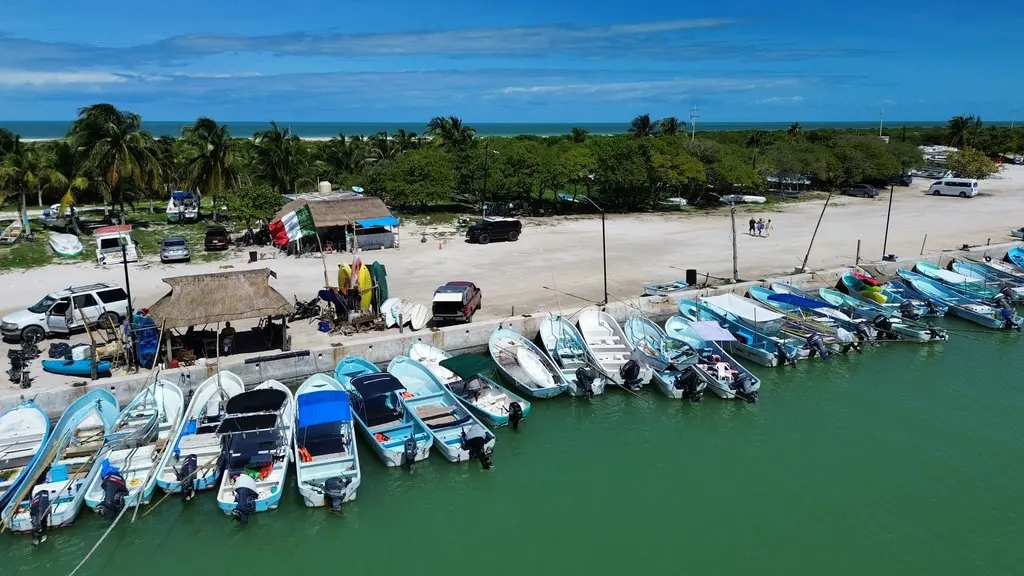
[604, 250]
[888, 214]
[127, 280]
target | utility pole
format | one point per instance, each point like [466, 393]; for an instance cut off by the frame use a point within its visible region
[1013, 118]
[881, 119]
[803, 267]
[693, 122]
[735, 266]
[604, 250]
[130, 344]
[888, 214]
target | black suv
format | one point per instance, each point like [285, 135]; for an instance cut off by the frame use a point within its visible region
[494, 228]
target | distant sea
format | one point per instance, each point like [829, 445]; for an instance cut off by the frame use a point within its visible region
[57, 129]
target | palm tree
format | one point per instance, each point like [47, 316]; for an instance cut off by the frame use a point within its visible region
[381, 147]
[65, 176]
[211, 170]
[756, 140]
[113, 143]
[20, 174]
[642, 126]
[450, 133]
[280, 157]
[670, 126]
[794, 130]
[578, 135]
[405, 140]
[960, 129]
[6, 142]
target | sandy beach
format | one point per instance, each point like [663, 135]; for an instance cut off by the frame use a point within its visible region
[559, 256]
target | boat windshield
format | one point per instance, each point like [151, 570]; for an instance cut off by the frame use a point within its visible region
[43, 305]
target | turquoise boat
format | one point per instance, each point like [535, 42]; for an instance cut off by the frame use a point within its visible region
[76, 367]
[1015, 256]
[973, 288]
[882, 318]
[723, 374]
[894, 294]
[24, 431]
[749, 344]
[439, 411]
[803, 318]
[990, 274]
[68, 463]
[670, 359]
[959, 305]
[396, 435]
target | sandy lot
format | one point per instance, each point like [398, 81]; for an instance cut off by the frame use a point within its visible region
[565, 253]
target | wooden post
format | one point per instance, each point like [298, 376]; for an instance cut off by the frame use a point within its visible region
[159, 341]
[923, 242]
[170, 351]
[284, 335]
[735, 266]
[323, 259]
[803, 267]
[856, 261]
[92, 340]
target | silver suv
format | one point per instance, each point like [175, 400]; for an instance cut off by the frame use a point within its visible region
[63, 312]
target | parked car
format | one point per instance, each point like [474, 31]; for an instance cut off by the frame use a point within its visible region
[61, 312]
[456, 302]
[217, 238]
[494, 228]
[175, 249]
[865, 190]
[904, 179]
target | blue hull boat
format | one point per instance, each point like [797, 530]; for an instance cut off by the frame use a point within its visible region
[24, 431]
[395, 434]
[725, 376]
[76, 367]
[1015, 256]
[895, 295]
[325, 447]
[749, 344]
[68, 463]
[882, 319]
[438, 410]
[670, 359]
[959, 305]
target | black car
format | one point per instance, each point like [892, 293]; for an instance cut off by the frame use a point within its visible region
[217, 238]
[494, 228]
[865, 190]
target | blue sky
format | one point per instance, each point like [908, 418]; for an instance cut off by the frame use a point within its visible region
[523, 61]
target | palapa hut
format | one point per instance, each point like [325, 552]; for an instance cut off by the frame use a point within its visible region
[203, 300]
[348, 221]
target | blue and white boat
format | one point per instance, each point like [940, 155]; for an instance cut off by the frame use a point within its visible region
[1015, 256]
[257, 431]
[474, 381]
[438, 410]
[959, 305]
[883, 319]
[974, 288]
[891, 295]
[748, 344]
[564, 344]
[725, 376]
[395, 434]
[68, 464]
[142, 431]
[670, 359]
[24, 431]
[987, 273]
[326, 456]
[525, 365]
[193, 458]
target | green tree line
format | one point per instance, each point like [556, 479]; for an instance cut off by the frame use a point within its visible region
[108, 157]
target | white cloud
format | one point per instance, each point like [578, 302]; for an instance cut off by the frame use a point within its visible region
[38, 78]
[778, 100]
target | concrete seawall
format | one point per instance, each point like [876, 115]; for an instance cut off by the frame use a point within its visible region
[469, 338]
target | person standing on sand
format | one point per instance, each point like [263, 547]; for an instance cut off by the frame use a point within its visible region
[768, 228]
[753, 226]
[760, 226]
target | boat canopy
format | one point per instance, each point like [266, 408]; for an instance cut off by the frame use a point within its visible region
[323, 407]
[374, 222]
[468, 365]
[247, 423]
[378, 384]
[798, 301]
[259, 400]
[711, 331]
[743, 308]
[181, 195]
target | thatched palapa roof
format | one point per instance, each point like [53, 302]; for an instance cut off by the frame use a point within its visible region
[336, 211]
[212, 298]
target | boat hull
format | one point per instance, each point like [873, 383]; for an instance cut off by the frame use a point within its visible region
[565, 346]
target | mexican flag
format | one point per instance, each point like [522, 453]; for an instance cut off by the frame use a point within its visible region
[292, 226]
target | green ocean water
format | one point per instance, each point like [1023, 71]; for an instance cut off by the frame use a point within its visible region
[903, 460]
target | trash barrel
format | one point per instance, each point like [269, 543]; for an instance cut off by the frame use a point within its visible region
[253, 256]
[691, 276]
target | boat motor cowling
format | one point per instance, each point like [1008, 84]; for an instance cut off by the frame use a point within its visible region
[187, 476]
[335, 491]
[744, 388]
[908, 310]
[630, 374]
[515, 414]
[1007, 292]
[863, 330]
[475, 441]
[585, 377]
[39, 513]
[817, 345]
[884, 326]
[114, 493]
[409, 449]
[690, 382]
[245, 498]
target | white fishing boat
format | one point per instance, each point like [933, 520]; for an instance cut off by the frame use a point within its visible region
[134, 445]
[726, 377]
[24, 430]
[191, 462]
[670, 359]
[666, 288]
[326, 456]
[524, 364]
[564, 343]
[257, 432]
[609, 348]
[11, 233]
[748, 312]
[65, 245]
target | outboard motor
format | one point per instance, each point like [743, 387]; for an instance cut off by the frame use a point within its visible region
[884, 326]
[187, 476]
[1008, 292]
[515, 414]
[908, 310]
[630, 373]
[585, 377]
[39, 513]
[744, 387]
[475, 441]
[689, 381]
[863, 331]
[932, 308]
[335, 492]
[1008, 317]
[817, 345]
[245, 498]
[409, 449]
[784, 357]
[114, 492]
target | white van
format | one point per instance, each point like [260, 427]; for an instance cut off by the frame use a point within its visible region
[962, 187]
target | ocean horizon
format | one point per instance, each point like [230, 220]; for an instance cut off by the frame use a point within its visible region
[52, 129]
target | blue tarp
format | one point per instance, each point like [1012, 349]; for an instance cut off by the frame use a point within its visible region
[323, 407]
[382, 221]
[181, 195]
[798, 301]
